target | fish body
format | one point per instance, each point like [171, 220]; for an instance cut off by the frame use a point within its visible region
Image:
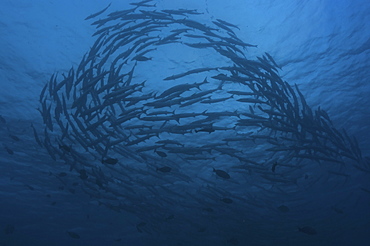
[307, 230]
[164, 169]
[9, 229]
[161, 153]
[227, 200]
[274, 166]
[110, 161]
[221, 173]
[97, 13]
[73, 235]
[283, 208]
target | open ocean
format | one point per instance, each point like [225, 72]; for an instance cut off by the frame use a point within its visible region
[185, 123]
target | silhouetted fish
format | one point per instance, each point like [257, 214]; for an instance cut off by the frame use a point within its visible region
[283, 209]
[9, 229]
[164, 169]
[10, 151]
[170, 217]
[14, 137]
[73, 234]
[83, 174]
[337, 210]
[227, 200]
[142, 58]
[139, 226]
[110, 161]
[202, 229]
[64, 147]
[233, 241]
[62, 174]
[208, 209]
[97, 13]
[2, 120]
[30, 187]
[221, 173]
[161, 153]
[307, 230]
[274, 166]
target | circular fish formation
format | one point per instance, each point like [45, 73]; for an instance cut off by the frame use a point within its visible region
[166, 110]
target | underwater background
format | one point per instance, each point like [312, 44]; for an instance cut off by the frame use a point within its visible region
[185, 122]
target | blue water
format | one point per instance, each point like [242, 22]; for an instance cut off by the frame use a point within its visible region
[321, 46]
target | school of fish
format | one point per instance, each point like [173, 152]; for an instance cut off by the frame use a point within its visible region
[196, 147]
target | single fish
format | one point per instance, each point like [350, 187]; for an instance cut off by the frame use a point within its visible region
[62, 174]
[10, 151]
[227, 200]
[274, 166]
[83, 174]
[221, 173]
[97, 13]
[73, 235]
[164, 169]
[9, 229]
[283, 208]
[307, 230]
[110, 161]
[161, 153]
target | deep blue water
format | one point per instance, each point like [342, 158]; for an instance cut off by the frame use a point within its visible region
[242, 123]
